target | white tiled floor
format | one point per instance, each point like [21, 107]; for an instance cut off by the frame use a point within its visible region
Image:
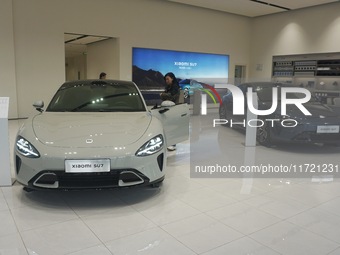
[185, 216]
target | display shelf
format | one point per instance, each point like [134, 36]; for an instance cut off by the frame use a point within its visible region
[326, 96]
[328, 67]
[304, 68]
[317, 72]
[283, 68]
[309, 65]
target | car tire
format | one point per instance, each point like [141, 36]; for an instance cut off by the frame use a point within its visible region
[186, 93]
[263, 135]
[223, 114]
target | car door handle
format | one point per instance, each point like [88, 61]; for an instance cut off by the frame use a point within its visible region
[184, 114]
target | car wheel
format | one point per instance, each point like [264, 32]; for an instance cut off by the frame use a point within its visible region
[263, 135]
[186, 93]
[223, 114]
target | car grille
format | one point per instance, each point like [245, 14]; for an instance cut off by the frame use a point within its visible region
[47, 179]
[103, 180]
[326, 137]
[314, 137]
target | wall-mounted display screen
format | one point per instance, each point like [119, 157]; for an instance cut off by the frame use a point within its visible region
[150, 65]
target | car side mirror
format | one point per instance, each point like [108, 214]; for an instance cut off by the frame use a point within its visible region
[167, 103]
[38, 105]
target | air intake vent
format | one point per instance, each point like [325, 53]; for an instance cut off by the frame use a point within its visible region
[160, 160]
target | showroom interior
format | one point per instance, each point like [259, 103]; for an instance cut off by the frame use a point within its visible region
[187, 214]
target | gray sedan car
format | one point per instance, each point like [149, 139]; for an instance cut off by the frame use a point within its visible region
[97, 134]
[322, 126]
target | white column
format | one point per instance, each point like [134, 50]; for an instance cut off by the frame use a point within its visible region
[251, 131]
[197, 102]
[5, 169]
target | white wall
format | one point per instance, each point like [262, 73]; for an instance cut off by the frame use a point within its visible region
[39, 27]
[39, 51]
[311, 30]
[101, 57]
[7, 57]
[33, 66]
[75, 68]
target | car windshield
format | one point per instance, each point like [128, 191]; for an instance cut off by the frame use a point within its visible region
[265, 94]
[102, 97]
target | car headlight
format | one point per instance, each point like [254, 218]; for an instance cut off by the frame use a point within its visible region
[150, 147]
[287, 121]
[26, 149]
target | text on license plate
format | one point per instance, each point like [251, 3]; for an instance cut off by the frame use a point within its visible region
[328, 129]
[87, 166]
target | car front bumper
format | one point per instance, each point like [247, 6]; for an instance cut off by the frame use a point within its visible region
[304, 133]
[48, 172]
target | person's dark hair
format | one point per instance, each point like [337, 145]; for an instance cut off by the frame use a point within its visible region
[101, 75]
[172, 76]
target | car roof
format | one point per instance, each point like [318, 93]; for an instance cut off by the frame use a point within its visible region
[184, 81]
[69, 84]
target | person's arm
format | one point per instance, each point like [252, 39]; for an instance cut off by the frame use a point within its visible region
[174, 90]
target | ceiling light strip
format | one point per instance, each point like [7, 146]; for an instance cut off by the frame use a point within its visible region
[273, 5]
[75, 39]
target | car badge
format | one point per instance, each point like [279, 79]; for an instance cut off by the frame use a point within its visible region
[89, 140]
[322, 117]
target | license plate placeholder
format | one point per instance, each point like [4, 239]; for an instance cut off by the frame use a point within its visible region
[327, 129]
[87, 165]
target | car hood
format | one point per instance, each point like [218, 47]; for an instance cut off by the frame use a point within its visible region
[90, 129]
[317, 110]
[320, 110]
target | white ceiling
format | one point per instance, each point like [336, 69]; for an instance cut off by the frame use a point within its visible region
[76, 44]
[253, 8]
